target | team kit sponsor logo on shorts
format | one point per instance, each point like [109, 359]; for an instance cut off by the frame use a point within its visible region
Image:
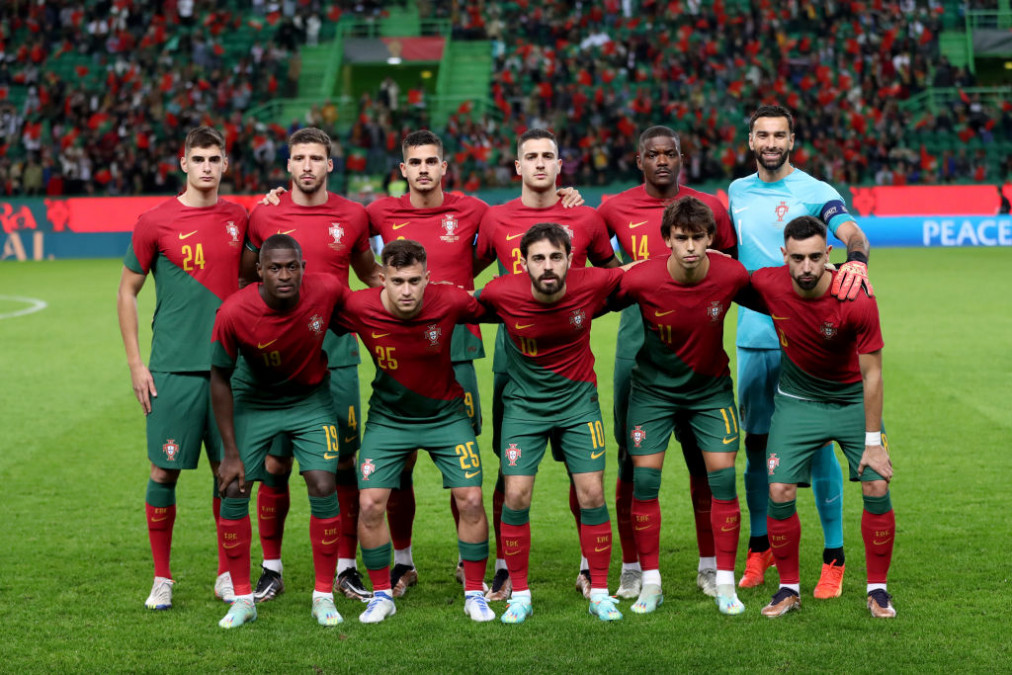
[513, 453]
[638, 436]
[368, 468]
[171, 450]
[772, 463]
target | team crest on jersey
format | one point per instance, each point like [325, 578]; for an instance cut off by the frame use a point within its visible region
[782, 210]
[316, 324]
[513, 454]
[715, 311]
[233, 231]
[432, 333]
[577, 319]
[638, 435]
[336, 233]
[772, 463]
[828, 330]
[569, 231]
[367, 468]
[171, 449]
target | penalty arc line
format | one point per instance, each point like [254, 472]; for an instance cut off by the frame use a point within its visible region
[35, 306]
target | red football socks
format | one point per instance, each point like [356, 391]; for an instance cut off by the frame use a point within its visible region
[272, 509]
[785, 536]
[235, 537]
[623, 518]
[879, 534]
[347, 497]
[596, 543]
[516, 543]
[474, 574]
[325, 535]
[699, 491]
[646, 519]
[725, 517]
[160, 522]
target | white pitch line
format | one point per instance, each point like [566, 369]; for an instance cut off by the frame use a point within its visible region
[35, 306]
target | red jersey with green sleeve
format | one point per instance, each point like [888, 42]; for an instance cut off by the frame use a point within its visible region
[193, 255]
[448, 233]
[330, 235]
[504, 226]
[682, 358]
[548, 354]
[634, 218]
[820, 338]
[282, 351]
[414, 372]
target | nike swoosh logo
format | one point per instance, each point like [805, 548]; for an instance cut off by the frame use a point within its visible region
[511, 237]
[660, 314]
[379, 335]
[633, 226]
[329, 542]
[879, 543]
[349, 439]
[832, 499]
[778, 545]
[601, 549]
[522, 326]
[640, 529]
[779, 318]
[231, 545]
[266, 344]
[330, 455]
[728, 441]
[398, 226]
[737, 211]
[187, 236]
[286, 231]
[158, 520]
[728, 529]
[263, 517]
[508, 553]
[471, 474]
[595, 455]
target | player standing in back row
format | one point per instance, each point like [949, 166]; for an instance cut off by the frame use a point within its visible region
[761, 204]
[634, 217]
[191, 244]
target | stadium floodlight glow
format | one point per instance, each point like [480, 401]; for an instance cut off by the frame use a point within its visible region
[394, 60]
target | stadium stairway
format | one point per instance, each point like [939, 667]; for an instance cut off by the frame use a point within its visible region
[464, 75]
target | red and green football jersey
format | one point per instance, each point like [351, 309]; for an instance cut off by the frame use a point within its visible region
[634, 218]
[820, 338]
[193, 255]
[448, 233]
[682, 358]
[282, 351]
[330, 235]
[414, 371]
[548, 354]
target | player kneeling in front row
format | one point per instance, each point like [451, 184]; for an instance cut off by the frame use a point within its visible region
[552, 394]
[830, 389]
[274, 331]
[407, 324]
[681, 381]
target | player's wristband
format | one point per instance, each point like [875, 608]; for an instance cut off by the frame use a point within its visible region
[857, 256]
[873, 438]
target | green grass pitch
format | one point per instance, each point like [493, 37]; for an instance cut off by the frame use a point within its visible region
[75, 565]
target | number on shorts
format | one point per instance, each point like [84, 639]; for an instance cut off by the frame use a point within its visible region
[352, 422]
[469, 403]
[467, 456]
[332, 442]
[385, 358]
[596, 434]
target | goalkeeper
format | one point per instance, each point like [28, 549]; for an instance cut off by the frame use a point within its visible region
[761, 205]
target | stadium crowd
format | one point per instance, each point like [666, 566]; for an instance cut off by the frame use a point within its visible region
[109, 87]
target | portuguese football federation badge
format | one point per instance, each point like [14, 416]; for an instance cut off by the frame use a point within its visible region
[432, 333]
[714, 311]
[638, 435]
[316, 324]
[233, 231]
[171, 449]
[772, 463]
[828, 330]
[513, 454]
[336, 233]
[782, 210]
[367, 469]
[577, 319]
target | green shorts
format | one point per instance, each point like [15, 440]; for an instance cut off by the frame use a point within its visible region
[800, 427]
[450, 443]
[578, 441]
[347, 412]
[468, 379]
[308, 424]
[652, 419]
[181, 419]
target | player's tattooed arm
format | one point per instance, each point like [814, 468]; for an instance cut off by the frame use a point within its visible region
[853, 273]
[126, 310]
[875, 456]
[230, 472]
[571, 197]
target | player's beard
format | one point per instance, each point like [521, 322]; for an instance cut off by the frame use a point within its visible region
[311, 189]
[807, 283]
[547, 290]
[773, 165]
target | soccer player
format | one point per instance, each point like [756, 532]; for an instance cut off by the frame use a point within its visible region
[191, 245]
[552, 394]
[760, 204]
[268, 378]
[830, 387]
[417, 402]
[681, 383]
[334, 235]
[634, 218]
[499, 235]
[446, 225]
